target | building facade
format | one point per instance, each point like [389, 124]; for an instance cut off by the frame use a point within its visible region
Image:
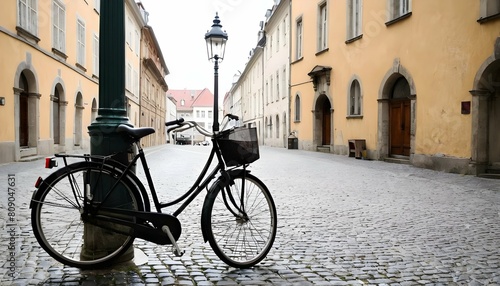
[380, 73]
[417, 80]
[277, 75]
[48, 76]
[153, 102]
[193, 105]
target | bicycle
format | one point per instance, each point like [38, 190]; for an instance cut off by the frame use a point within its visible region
[82, 202]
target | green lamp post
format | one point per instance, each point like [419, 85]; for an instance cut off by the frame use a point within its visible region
[104, 140]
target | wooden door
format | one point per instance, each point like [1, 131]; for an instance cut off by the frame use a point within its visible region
[23, 120]
[400, 127]
[326, 125]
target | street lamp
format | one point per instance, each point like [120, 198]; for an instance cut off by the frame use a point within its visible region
[216, 46]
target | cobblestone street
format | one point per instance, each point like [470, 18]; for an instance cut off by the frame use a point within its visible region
[341, 221]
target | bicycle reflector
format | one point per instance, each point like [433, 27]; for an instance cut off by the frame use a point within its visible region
[38, 182]
[50, 163]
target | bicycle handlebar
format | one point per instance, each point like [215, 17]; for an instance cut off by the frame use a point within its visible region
[182, 125]
[174, 122]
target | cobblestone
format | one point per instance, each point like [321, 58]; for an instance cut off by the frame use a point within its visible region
[341, 222]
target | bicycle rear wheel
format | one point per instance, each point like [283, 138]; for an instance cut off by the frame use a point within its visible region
[240, 221]
[57, 210]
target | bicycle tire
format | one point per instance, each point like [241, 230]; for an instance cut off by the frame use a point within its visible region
[240, 240]
[56, 215]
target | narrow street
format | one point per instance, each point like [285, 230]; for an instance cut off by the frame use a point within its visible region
[342, 221]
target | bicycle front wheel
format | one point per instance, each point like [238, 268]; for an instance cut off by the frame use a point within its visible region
[240, 221]
[57, 210]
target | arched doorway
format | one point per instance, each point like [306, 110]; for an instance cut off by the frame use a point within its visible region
[59, 115]
[323, 120]
[396, 113]
[486, 117]
[399, 117]
[24, 115]
[78, 119]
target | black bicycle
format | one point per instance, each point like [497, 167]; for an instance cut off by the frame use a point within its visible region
[87, 213]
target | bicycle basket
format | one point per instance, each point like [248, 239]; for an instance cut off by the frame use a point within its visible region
[239, 146]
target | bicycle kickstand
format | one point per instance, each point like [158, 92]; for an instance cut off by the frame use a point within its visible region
[177, 250]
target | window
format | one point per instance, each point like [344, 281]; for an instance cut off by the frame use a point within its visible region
[277, 86]
[137, 42]
[489, 9]
[322, 28]
[283, 79]
[128, 77]
[297, 108]
[136, 83]
[58, 26]
[285, 30]
[278, 35]
[355, 98]
[129, 32]
[299, 39]
[267, 92]
[271, 95]
[277, 126]
[80, 38]
[399, 8]
[28, 15]
[353, 18]
[95, 55]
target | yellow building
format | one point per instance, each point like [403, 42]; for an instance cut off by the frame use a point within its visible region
[417, 80]
[48, 76]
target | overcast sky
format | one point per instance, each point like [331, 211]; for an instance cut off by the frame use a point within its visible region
[180, 28]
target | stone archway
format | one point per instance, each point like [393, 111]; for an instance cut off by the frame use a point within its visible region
[26, 111]
[323, 121]
[485, 112]
[397, 82]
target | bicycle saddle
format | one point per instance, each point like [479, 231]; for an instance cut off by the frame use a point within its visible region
[136, 133]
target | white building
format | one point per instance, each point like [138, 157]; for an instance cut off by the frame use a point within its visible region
[277, 75]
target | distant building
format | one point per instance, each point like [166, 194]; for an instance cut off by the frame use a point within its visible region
[153, 102]
[194, 105]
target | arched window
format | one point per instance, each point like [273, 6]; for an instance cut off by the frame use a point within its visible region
[297, 107]
[355, 98]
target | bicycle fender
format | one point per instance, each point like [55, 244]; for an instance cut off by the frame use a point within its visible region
[221, 181]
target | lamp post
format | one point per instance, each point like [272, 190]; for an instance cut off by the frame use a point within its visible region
[216, 46]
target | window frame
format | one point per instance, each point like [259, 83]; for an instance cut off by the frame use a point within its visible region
[354, 20]
[299, 38]
[322, 26]
[27, 16]
[488, 10]
[398, 10]
[80, 41]
[95, 54]
[58, 26]
[297, 108]
[355, 99]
